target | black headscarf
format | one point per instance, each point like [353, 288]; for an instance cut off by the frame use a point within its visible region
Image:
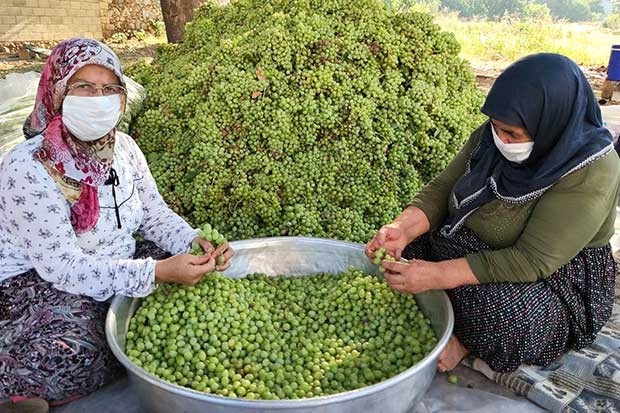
[549, 96]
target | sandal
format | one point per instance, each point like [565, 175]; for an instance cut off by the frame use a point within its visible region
[24, 405]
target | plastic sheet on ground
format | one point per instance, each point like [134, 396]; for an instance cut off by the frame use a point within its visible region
[17, 93]
[611, 119]
[442, 396]
[17, 96]
[449, 398]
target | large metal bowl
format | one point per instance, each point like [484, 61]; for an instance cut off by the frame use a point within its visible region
[292, 256]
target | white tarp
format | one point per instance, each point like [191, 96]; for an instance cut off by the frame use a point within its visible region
[17, 95]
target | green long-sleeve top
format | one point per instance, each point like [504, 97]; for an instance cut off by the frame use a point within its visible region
[531, 241]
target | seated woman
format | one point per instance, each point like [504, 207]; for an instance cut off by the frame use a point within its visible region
[516, 229]
[72, 197]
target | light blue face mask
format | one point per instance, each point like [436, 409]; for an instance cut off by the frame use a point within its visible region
[514, 152]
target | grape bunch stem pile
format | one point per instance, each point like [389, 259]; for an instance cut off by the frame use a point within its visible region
[303, 117]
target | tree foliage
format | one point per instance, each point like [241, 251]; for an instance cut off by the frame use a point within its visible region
[574, 10]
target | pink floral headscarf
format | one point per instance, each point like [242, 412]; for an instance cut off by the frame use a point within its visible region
[86, 165]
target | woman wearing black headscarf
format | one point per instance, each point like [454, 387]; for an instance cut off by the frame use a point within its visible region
[517, 228]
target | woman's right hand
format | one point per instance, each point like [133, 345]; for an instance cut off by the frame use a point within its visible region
[184, 269]
[391, 237]
[394, 237]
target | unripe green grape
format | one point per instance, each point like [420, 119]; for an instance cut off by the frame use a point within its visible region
[238, 130]
[309, 323]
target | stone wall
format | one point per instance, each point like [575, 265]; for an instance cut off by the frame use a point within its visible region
[22, 20]
[129, 16]
[37, 20]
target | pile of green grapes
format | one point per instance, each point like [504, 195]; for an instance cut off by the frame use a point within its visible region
[303, 117]
[281, 337]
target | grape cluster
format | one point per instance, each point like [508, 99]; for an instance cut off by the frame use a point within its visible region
[210, 234]
[303, 117]
[380, 255]
[280, 337]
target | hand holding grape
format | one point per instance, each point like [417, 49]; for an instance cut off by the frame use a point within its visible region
[412, 277]
[223, 254]
[395, 236]
[204, 243]
[391, 238]
[202, 246]
[183, 269]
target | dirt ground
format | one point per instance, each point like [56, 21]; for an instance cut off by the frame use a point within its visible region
[595, 75]
[12, 60]
[133, 51]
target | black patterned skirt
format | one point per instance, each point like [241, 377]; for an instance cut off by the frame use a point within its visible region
[509, 324]
[52, 343]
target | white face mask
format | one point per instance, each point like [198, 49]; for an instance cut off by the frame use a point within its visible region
[89, 118]
[515, 152]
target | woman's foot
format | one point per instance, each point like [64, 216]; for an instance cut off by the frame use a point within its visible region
[24, 405]
[451, 355]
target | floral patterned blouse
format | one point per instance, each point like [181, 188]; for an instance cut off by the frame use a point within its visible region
[36, 231]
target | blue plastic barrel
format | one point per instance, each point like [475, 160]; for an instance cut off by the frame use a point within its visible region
[613, 68]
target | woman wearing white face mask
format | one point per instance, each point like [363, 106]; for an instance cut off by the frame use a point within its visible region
[517, 228]
[72, 196]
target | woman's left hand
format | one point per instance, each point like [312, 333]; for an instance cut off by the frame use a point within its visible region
[412, 277]
[207, 247]
[417, 276]
[222, 250]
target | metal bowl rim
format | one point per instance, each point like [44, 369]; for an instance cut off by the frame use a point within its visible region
[299, 403]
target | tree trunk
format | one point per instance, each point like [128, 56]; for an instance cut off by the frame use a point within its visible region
[176, 14]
